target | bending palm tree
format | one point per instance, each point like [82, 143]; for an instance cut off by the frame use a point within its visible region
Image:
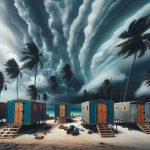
[85, 95]
[32, 58]
[136, 42]
[106, 88]
[45, 97]
[67, 75]
[53, 84]
[147, 79]
[2, 83]
[13, 71]
[33, 92]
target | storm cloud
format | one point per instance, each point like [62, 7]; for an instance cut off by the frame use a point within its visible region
[82, 33]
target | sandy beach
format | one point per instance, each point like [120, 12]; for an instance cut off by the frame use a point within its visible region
[58, 139]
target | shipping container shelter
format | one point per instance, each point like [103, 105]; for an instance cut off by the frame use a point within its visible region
[62, 111]
[25, 112]
[3, 110]
[97, 112]
[130, 112]
[147, 112]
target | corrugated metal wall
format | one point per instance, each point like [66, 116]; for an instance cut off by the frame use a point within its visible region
[127, 111]
[32, 111]
[116, 114]
[110, 113]
[10, 112]
[147, 112]
[90, 115]
[93, 113]
[133, 113]
[85, 112]
[56, 111]
[38, 111]
[123, 112]
[67, 110]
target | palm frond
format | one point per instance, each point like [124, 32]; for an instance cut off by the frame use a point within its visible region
[146, 37]
[1, 79]
[45, 97]
[53, 83]
[5, 87]
[136, 28]
[31, 57]
[67, 72]
[147, 78]
[132, 46]
[12, 68]
[32, 92]
[2, 82]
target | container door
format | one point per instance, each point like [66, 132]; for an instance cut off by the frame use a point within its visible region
[62, 111]
[140, 113]
[18, 115]
[101, 113]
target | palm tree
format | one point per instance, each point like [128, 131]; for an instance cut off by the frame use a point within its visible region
[13, 71]
[32, 58]
[147, 79]
[2, 83]
[106, 88]
[85, 94]
[33, 92]
[53, 84]
[45, 97]
[137, 42]
[67, 75]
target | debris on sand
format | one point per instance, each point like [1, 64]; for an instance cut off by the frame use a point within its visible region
[61, 126]
[39, 136]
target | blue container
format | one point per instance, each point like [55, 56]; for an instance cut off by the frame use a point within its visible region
[98, 112]
[25, 112]
[66, 108]
[147, 112]
[3, 110]
[129, 112]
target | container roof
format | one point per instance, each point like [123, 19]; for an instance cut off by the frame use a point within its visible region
[132, 102]
[19, 100]
[100, 100]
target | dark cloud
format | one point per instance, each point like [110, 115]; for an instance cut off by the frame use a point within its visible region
[83, 33]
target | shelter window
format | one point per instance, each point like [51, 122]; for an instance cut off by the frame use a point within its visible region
[116, 108]
[87, 107]
[124, 108]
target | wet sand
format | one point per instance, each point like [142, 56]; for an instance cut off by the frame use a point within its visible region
[12, 146]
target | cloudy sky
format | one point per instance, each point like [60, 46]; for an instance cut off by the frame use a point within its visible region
[83, 33]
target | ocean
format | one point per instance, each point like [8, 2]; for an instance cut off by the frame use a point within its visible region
[74, 112]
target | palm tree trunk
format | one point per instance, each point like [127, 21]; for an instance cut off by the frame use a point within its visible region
[111, 93]
[68, 91]
[120, 97]
[35, 75]
[129, 76]
[55, 96]
[17, 87]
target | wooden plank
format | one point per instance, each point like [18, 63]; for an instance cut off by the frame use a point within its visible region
[7, 133]
[105, 131]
